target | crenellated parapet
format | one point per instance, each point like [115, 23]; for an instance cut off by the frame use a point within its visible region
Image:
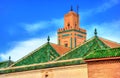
[69, 29]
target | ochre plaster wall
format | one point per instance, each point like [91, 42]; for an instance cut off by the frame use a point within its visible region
[104, 69]
[75, 71]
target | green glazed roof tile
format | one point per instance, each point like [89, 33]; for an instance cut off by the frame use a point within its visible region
[105, 53]
[42, 66]
[5, 64]
[43, 54]
[90, 45]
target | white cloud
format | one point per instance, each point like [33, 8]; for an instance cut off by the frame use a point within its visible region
[109, 30]
[107, 5]
[43, 25]
[36, 26]
[22, 48]
[102, 8]
[58, 22]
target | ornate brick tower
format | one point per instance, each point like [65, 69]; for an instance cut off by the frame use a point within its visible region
[71, 35]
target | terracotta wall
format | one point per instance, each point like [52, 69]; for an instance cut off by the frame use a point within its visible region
[71, 21]
[72, 18]
[76, 71]
[73, 35]
[104, 69]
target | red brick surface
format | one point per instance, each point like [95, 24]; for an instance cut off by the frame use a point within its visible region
[104, 69]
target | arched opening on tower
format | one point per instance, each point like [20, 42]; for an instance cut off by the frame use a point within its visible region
[66, 45]
[68, 25]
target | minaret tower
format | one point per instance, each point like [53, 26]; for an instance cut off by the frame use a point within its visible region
[71, 35]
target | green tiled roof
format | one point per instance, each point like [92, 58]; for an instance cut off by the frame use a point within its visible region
[114, 52]
[5, 64]
[41, 57]
[42, 66]
[90, 45]
[43, 54]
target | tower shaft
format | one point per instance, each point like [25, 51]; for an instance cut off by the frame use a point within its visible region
[71, 35]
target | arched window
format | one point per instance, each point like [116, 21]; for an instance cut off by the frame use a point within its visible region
[66, 45]
[68, 25]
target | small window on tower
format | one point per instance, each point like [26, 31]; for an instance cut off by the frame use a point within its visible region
[66, 45]
[75, 24]
[68, 25]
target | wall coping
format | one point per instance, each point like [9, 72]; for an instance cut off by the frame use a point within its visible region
[102, 59]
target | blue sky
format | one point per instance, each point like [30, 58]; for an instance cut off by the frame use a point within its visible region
[25, 24]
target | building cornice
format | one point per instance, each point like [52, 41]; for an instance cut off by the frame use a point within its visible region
[102, 59]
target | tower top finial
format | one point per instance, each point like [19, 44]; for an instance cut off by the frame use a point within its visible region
[48, 39]
[95, 32]
[9, 61]
[9, 57]
[71, 9]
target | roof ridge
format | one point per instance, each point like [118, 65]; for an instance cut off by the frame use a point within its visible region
[97, 37]
[91, 47]
[102, 42]
[28, 54]
[110, 40]
[76, 47]
[53, 48]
